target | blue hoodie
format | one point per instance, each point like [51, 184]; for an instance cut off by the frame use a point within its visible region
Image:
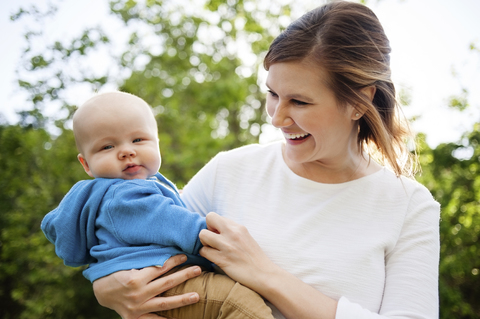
[116, 224]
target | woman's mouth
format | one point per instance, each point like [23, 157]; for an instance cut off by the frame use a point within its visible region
[296, 136]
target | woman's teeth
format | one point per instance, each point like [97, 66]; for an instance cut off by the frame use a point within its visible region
[296, 136]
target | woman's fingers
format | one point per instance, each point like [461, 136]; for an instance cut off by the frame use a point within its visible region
[135, 278]
[208, 238]
[163, 284]
[171, 263]
[167, 303]
[211, 254]
[167, 282]
[133, 293]
[150, 316]
[218, 228]
[215, 222]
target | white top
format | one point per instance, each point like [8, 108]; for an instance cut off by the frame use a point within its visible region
[371, 243]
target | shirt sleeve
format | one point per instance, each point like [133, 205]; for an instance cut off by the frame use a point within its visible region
[138, 213]
[411, 267]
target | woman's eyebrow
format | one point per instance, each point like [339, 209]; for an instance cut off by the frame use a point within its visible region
[295, 96]
[299, 97]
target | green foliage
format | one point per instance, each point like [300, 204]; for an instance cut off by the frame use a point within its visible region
[36, 172]
[204, 94]
[48, 71]
[452, 173]
[459, 102]
[199, 86]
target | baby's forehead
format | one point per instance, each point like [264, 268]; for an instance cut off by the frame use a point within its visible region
[115, 100]
[109, 103]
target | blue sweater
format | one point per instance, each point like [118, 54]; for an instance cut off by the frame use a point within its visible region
[116, 224]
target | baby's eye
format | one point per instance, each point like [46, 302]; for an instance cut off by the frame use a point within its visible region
[137, 140]
[108, 147]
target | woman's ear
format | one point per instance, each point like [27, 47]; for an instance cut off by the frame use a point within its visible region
[369, 91]
[356, 115]
[84, 163]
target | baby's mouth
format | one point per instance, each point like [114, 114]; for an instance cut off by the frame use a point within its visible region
[129, 166]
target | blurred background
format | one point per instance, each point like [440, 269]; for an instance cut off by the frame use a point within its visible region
[198, 64]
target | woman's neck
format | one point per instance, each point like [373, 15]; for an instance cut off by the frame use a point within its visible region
[351, 167]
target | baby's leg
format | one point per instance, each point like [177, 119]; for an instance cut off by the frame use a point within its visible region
[220, 298]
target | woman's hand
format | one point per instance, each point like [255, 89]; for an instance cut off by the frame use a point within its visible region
[231, 247]
[133, 293]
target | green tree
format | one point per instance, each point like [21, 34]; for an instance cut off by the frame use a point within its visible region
[204, 94]
[36, 172]
[452, 173]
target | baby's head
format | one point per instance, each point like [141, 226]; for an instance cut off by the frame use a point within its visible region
[117, 137]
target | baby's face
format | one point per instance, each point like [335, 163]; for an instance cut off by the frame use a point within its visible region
[119, 139]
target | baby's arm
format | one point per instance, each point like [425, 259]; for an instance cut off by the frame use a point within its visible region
[139, 213]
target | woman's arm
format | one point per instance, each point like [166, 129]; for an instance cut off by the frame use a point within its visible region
[134, 293]
[230, 246]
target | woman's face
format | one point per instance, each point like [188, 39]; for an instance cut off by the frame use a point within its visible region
[315, 127]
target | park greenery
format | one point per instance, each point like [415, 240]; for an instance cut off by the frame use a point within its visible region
[197, 68]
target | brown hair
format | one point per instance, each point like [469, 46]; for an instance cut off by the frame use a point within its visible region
[347, 40]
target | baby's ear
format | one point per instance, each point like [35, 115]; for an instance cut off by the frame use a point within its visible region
[84, 163]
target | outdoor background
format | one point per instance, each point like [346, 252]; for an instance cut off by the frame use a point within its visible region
[198, 64]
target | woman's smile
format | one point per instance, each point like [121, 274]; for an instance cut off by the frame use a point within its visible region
[296, 138]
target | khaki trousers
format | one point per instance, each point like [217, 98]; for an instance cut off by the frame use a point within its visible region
[220, 298]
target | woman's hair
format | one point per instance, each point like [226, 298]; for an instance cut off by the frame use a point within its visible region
[349, 43]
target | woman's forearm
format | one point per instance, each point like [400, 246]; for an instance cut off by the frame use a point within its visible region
[293, 297]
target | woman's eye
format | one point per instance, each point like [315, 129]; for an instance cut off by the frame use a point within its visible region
[297, 102]
[137, 140]
[272, 93]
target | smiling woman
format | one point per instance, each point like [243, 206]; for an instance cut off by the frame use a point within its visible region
[332, 62]
[324, 224]
[316, 127]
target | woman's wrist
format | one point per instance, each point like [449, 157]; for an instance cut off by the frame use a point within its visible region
[292, 297]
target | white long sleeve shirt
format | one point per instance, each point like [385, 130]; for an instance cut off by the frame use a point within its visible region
[372, 243]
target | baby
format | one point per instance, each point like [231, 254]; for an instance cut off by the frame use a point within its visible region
[130, 216]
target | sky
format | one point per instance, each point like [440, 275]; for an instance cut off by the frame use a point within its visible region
[430, 58]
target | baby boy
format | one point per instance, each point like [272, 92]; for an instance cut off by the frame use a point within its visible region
[130, 216]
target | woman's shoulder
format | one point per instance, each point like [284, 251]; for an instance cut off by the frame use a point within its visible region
[414, 190]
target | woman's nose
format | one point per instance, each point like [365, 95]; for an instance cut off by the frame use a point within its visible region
[280, 115]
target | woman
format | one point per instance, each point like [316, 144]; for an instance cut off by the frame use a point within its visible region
[335, 229]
